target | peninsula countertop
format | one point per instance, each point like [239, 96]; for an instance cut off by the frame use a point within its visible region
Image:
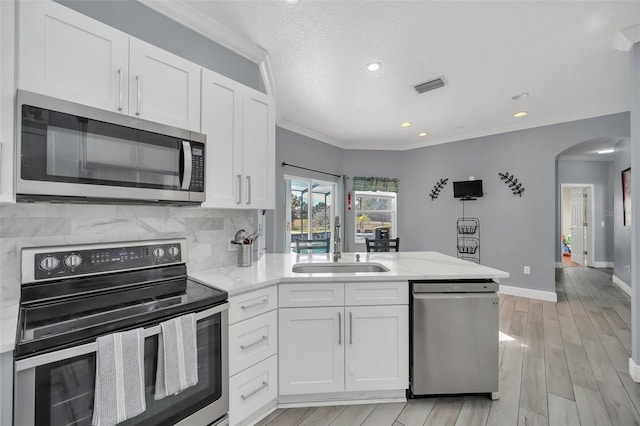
[402, 266]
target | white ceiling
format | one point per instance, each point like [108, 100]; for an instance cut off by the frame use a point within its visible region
[561, 52]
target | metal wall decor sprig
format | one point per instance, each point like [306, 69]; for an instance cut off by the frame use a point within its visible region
[510, 180]
[437, 188]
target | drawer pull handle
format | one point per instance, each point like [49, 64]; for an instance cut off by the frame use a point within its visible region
[257, 342]
[339, 328]
[253, 392]
[253, 305]
[350, 328]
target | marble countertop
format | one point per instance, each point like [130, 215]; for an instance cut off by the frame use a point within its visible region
[276, 268]
[8, 324]
[403, 266]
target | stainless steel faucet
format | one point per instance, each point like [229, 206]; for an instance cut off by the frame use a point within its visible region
[336, 240]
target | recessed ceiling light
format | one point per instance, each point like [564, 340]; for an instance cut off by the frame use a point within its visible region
[405, 124]
[606, 151]
[520, 114]
[520, 96]
[423, 134]
[374, 66]
[292, 1]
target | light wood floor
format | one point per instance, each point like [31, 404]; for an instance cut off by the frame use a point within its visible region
[560, 364]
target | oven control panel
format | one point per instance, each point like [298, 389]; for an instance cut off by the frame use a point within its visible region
[89, 260]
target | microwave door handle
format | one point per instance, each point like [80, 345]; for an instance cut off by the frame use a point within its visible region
[187, 165]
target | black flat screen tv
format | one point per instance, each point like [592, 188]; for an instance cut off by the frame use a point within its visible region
[467, 189]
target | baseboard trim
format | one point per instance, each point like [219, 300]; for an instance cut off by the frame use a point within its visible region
[547, 296]
[622, 285]
[634, 371]
[341, 398]
[603, 264]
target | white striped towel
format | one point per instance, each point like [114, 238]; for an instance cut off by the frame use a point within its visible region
[177, 356]
[119, 392]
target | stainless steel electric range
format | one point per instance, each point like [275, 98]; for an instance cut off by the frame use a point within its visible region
[71, 295]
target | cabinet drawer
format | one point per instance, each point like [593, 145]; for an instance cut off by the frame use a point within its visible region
[252, 341]
[314, 294]
[253, 389]
[251, 304]
[377, 293]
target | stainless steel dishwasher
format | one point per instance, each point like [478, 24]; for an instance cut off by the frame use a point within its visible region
[454, 337]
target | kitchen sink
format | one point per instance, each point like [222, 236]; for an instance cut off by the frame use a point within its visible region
[338, 268]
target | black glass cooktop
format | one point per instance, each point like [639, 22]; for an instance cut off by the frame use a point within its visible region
[54, 323]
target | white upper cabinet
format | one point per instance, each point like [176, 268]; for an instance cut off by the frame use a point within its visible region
[240, 126]
[67, 55]
[163, 87]
[259, 157]
[222, 123]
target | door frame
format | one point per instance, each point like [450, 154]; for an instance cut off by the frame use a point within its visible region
[590, 259]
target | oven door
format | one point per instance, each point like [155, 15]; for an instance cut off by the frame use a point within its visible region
[57, 388]
[66, 150]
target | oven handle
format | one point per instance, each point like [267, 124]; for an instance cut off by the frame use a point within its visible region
[68, 353]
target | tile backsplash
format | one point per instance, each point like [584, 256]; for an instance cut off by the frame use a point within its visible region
[49, 224]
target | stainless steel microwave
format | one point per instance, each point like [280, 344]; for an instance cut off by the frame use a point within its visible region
[71, 152]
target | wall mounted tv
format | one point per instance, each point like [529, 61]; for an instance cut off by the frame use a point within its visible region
[467, 189]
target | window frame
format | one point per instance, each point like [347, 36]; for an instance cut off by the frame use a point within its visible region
[379, 194]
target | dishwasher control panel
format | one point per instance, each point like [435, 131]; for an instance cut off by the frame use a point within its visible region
[454, 286]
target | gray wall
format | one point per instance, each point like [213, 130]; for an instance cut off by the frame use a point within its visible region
[372, 163]
[515, 231]
[622, 234]
[293, 148]
[146, 24]
[598, 174]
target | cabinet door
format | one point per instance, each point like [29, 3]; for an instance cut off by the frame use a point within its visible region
[67, 55]
[377, 348]
[259, 151]
[222, 123]
[311, 351]
[163, 87]
[7, 103]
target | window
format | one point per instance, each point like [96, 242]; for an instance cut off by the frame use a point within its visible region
[374, 209]
[304, 223]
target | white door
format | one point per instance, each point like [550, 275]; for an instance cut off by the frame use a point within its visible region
[70, 56]
[259, 151]
[222, 123]
[163, 87]
[578, 221]
[311, 352]
[377, 348]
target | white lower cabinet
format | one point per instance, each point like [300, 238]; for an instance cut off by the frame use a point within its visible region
[377, 347]
[253, 391]
[343, 349]
[312, 350]
[253, 358]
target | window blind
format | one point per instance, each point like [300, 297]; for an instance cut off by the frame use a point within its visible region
[375, 184]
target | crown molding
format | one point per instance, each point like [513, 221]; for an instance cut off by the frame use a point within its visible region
[626, 38]
[188, 16]
[296, 128]
[182, 13]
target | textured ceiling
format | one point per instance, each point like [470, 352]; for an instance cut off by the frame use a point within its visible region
[559, 51]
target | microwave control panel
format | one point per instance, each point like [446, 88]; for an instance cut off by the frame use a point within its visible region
[197, 167]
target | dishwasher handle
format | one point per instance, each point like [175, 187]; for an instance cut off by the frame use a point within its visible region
[449, 296]
[455, 287]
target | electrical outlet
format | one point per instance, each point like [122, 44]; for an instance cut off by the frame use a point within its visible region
[231, 246]
[527, 270]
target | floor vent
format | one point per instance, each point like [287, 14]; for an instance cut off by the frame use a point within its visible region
[436, 83]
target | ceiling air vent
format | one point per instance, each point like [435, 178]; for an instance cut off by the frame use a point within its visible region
[436, 83]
